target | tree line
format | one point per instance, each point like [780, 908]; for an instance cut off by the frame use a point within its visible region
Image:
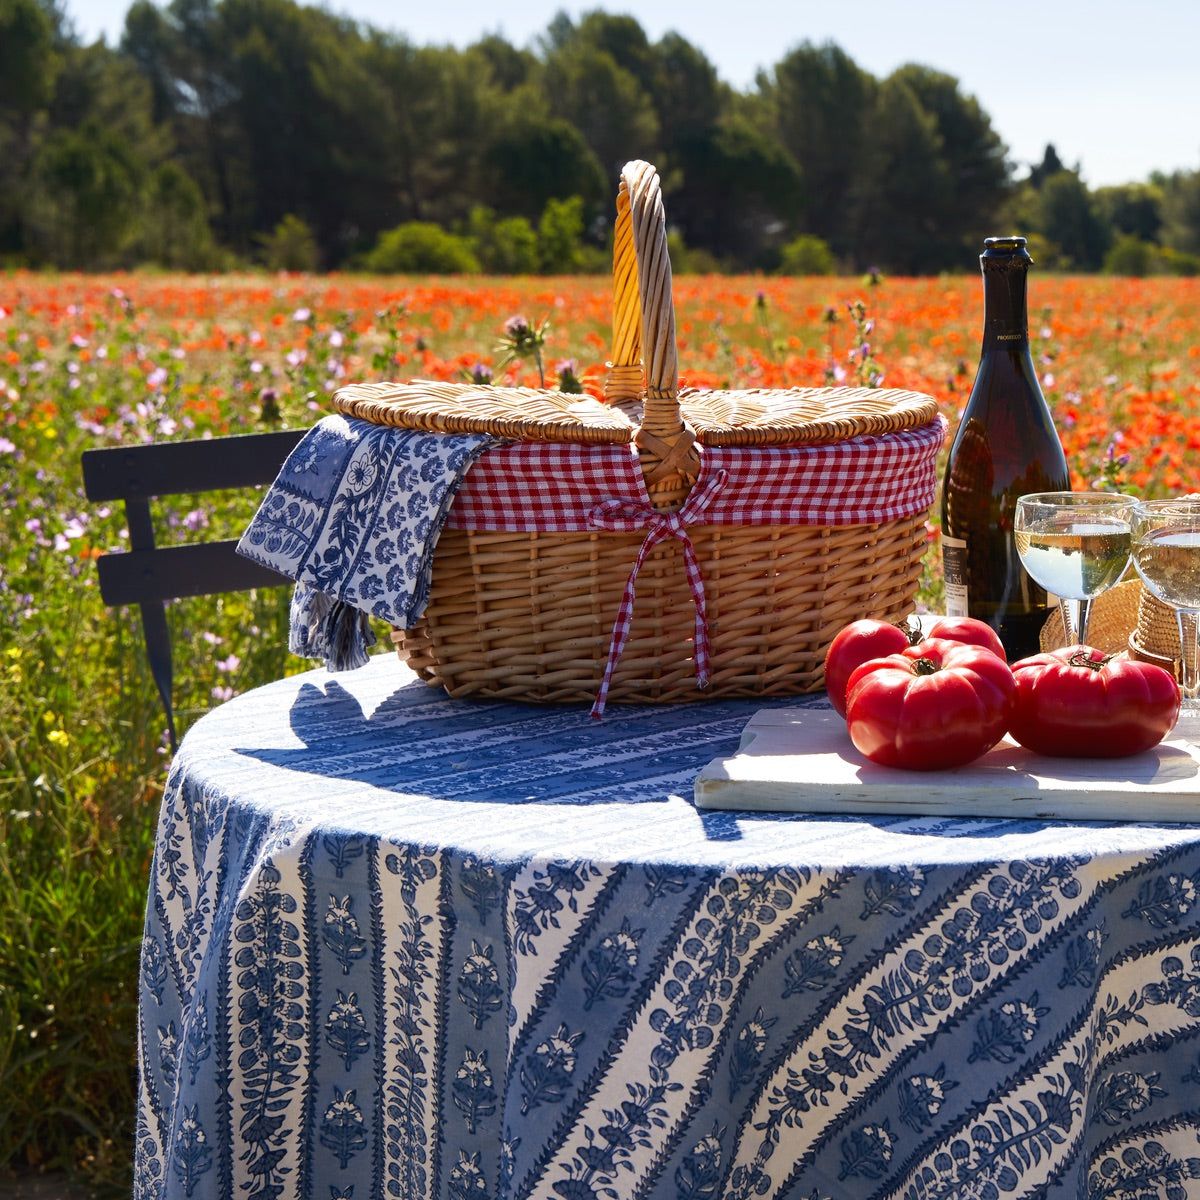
[219, 133]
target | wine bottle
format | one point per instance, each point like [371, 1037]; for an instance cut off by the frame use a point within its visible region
[1006, 446]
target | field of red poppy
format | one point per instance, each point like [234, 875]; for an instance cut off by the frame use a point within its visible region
[88, 361]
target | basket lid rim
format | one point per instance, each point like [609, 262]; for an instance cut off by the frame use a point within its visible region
[719, 417]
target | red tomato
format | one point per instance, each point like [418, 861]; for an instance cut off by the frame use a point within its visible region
[968, 631]
[1082, 703]
[935, 705]
[867, 639]
[859, 642]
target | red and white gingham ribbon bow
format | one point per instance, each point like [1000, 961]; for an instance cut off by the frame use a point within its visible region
[628, 516]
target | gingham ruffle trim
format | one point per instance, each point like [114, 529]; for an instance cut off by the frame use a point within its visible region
[543, 487]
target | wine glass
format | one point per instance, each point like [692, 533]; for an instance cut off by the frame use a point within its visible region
[1166, 552]
[1076, 545]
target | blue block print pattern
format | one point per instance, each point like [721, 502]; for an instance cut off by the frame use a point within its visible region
[354, 517]
[401, 946]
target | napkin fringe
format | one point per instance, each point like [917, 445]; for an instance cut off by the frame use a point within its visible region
[332, 630]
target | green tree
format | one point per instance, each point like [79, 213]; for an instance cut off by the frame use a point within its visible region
[1181, 211]
[29, 59]
[505, 245]
[820, 104]
[275, 108]
[1068, 218]
[1050, 165]
[691, 103]
[623, 39]
[184, 52]
[976, 170]
[99, 85]
[278, 107]
[417, 247]
[444, 113]
[290, 246]
[751, 189]
[507, 67]
[1129, 255]
[29, 65]
[807, 255]
[901, 168]
[603, 100]
[85, 176]
[536, 158]
[560, 236]
[150, 40]
[1177, 262]
[687, 260]
[687, 94]
[1133, 208]
[307, 108]
[88, 187]
[173, 230]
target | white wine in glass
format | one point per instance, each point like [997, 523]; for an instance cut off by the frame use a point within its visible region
[1076, 545]
[1166, 552]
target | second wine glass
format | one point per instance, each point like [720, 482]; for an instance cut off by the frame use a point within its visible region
[1166, 552]
[1076, 545]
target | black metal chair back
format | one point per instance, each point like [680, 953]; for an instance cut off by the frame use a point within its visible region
[149, 575]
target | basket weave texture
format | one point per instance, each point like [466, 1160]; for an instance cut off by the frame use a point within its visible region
[529, 616]
[1156, 637]
[1126, 619]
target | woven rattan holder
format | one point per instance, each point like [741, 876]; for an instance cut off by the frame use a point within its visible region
[1126, 619]
[1156, 636]
[529, 616]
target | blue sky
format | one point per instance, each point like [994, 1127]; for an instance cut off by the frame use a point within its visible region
[1112, 85]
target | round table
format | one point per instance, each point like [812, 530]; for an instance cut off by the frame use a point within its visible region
[404, 946]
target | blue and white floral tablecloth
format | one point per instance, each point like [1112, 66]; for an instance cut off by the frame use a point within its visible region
[403, 946]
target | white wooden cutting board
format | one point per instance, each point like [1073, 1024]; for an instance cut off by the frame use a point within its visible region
[802, 760]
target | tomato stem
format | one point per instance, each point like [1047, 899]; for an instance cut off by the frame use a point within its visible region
[925, 666]
[911, 629]
[1083, 658]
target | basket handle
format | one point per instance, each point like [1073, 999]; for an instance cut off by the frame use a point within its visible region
[644, 329]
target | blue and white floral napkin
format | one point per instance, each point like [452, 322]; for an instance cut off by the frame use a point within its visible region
[354, 517]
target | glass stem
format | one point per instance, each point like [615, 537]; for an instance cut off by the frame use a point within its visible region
[1187, 619]
[1075, 615]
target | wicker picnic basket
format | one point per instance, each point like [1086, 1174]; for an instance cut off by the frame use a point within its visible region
[530, 616]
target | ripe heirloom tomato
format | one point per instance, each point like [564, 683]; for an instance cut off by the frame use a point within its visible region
[858, 643]
[1082, 703]
[935, 705]
[968, 631]
[867, 639]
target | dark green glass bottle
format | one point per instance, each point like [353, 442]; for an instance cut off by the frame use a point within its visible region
[1006, 446]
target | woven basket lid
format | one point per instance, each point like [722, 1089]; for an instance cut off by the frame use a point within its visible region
[524, 414]
[718, 418]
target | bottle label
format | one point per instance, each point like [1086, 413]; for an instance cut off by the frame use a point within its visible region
[954, 571]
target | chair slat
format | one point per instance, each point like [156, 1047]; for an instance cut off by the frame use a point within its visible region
[158, 652]
[147, 575]
[140, 524]
[139, 472]
[172, 572]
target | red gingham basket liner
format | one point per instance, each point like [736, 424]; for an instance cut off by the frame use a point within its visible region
[548, 487]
